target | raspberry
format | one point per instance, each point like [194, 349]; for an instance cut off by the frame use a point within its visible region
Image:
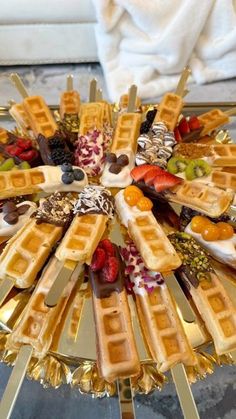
[28, 155]
[151, 115]
[111, 268]
[107, 245]
[145, 127]
[13, 150]
[24, 144]
[98, 261]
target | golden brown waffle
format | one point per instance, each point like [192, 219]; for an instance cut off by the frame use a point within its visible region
[225, 155]
[27, 251]
[198, 196]
[124, 99]
[69, 103]
[217, 311]
[40, 117]
[3, 136]
[116, 348]
[162, 329]
[38, 323]
[157, 252]
[224, 180]
[127, 132]
[91, 117]
[212, 120]
[107, 112]
[20, 182]
[169, 110]
[18, 113]
[82, 238]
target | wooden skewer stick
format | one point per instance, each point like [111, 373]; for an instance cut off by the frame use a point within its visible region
[69, 82]
[92, 90]
[15, 381]
[180, 89]
[132, 98]
[99, 95]
[181, 299]
[61, 280]
[18, 83]
[231, 112]
[5, 287]
[126, 402]
[184, 392]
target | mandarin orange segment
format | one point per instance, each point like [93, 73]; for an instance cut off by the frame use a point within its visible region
[132, 194]
[144, 204]
[199, 223]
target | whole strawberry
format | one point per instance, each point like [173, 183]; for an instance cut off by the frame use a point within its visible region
[111, 268]
[98, 260]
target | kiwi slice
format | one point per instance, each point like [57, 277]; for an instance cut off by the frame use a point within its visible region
[7, 165]
[177, 164]
[197, 168]
[24, 165]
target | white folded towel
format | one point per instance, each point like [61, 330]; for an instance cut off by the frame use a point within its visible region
[149, 42]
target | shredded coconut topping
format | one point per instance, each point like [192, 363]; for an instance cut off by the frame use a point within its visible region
[137, 274]
[95, 200]
[156, 146]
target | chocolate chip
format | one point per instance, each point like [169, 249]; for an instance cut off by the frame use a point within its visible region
[115, 168]
[123, 160]
[111, 158]
[11, 218]
[9, 207]
[22, 209]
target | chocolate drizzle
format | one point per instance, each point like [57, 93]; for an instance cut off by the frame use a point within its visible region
[95, 200]
[56, 209]
[196, 265]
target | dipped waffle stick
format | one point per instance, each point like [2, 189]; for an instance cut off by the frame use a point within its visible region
[214, 119]
[33, 334]
[171, 105]
[206, 199]
[156, 251]
[161, 325]
[42, 178]
[116, 348]
[27, 251]
[18, 113]
[93, 210]
[39, 115]
[70, 100]
[124, 146]
[207, 291]
[3, 136]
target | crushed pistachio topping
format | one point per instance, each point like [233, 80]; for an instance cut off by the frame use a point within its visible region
[196, 264]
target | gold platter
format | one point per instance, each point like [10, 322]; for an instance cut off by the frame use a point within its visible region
[72, 358]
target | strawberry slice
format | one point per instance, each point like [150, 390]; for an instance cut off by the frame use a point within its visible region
[13, 150]
[177, 135]
[111, 269]
[194, 123]
[151, 174]
[138, 172]
[98, 260]
[28, 155]
[107, 245]
[165, 181]
[25, 144]
[183, 126]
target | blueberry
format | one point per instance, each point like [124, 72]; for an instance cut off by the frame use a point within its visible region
[68, 177]
[78, 174]
[66, 167]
